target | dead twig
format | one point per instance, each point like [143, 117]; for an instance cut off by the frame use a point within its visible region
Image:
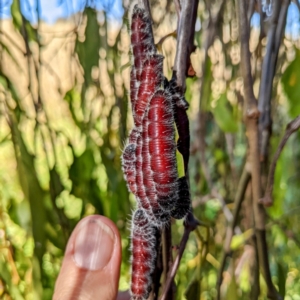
[190, 224]
[292, 127]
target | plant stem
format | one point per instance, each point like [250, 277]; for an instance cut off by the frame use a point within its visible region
[239, 197]
[251, 120]
[292, 127]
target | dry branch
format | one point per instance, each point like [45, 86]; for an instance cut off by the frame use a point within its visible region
[251, 121]
[239, 197]
[290, 129]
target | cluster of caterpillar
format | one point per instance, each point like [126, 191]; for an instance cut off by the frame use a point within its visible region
[149, 159]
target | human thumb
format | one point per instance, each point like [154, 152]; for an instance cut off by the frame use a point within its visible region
[91, 266]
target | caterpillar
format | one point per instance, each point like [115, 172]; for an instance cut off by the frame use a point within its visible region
[128, 166]
[183, 205]
[142, 40]
[159, 216]
[134, 87]
[162, 148]
[181, 121]
[151, 80]
[143, 248]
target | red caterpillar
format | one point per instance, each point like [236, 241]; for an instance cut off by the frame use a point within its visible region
[129, 161]
[159, 216]
[141, 39]
[151, 80]
[141, 192]
[134, 87]
[128, 166]
[143, 247]
[162, 149]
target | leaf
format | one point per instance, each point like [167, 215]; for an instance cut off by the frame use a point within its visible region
[31, 188]
[290, 81]
[6, 275]
[16, 15]
[212, 207]
[232, 289]
[56, 186]
[207, 81]
[88, 51]
[73, 97]
[193, 291]
[84, 185]
[224, 116]
[282, 275]
[82, 168]
[239, 240]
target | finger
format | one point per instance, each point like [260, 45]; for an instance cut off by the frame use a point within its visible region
[91, 266]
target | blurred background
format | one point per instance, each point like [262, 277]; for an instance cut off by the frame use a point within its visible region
[65, 115]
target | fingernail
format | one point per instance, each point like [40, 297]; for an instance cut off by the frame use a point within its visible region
[93, 245]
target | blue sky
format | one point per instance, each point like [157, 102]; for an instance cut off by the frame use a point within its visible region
[51, 10]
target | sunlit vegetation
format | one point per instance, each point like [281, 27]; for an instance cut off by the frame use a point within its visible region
[64, 118]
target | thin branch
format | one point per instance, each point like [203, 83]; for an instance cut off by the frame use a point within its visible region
[251, 120]
[274, 37]
[251, 103]
[185, 40]
[267, 68]
[190, 224]
[250, 10]
[239, 197]
[292, 127]
[167, 260]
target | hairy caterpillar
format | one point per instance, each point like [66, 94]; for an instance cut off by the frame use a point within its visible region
[160, 216]
[151, 79]
[183, 205]
[162, 149]
[128, 166]
[181, 120]
[134, 87]
[143, 247]
[142, 40]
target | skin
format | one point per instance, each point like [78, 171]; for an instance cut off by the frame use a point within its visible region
[84, 280]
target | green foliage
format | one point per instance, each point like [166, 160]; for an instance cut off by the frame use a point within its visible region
[88, 50]
[224, 116]
[290, 80]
